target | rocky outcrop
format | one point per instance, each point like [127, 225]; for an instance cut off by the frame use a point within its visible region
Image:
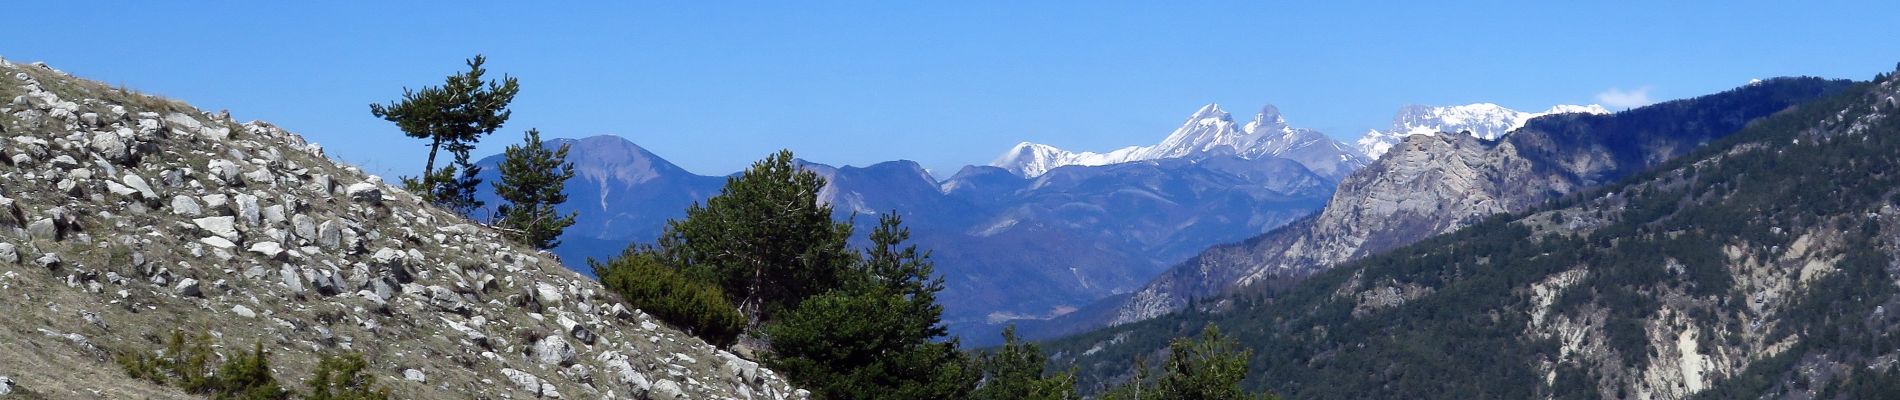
[138, 215]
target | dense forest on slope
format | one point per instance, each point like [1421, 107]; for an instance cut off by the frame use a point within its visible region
[1757, 265]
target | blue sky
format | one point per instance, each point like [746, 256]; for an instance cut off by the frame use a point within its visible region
[714, 86]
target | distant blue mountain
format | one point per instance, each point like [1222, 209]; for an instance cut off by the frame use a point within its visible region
[1009, 247]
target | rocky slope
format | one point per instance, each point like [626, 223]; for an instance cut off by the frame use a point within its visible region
[124, 217]
[1760, 266]
[1434, 184]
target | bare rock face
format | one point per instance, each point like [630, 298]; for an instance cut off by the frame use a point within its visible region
[125, 217]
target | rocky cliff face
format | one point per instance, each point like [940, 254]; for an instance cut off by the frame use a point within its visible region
[1433, 184]
[124, 217]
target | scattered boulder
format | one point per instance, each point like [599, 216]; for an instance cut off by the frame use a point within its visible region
[247, 210]
[365, 192]
[666, 389]
[547, 295]
[223, 170]
[9, 254]
[304, 227]
[110, 146]
[48, 261]
[44, 228]
[525, 381]
[189, 288]
[243, 311]
[553, 350]
[414, 375]
[223, 227]
[270, 250]
[186, 206]
[217, 242]
[137, 183]
[329, 235]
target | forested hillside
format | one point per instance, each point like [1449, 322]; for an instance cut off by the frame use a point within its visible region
[1759, 265]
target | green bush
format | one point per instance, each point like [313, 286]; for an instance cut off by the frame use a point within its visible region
[185, 362]
[342, 378]
[695, 305]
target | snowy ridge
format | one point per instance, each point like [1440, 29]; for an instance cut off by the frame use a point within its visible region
[1484, 120]
[1210, 131]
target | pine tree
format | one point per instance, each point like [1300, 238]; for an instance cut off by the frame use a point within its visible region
[1208, 368]
[342, 378]
[694, 305]
[532, 180]
[765, 239]
[1015, 372]
[247, 376]
[453, 116]
[901, 270]
[872, 336]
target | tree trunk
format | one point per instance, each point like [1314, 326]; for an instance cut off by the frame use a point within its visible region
[428, 169]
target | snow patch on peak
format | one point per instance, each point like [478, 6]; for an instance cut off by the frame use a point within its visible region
[1210, 131]
[1575, 109]
[1483, 120]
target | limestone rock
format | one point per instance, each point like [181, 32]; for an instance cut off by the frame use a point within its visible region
[108, 145]
[189, 288]
[270, 250]
[525, 381]
[223, 227]
[247, 210]
[666, 389]
[48, 261]
[304, 227]
[137, 183]
[223, 170]
[553, 350]
[365, 192]
[186, 206]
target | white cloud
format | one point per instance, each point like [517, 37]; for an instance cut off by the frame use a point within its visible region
[1619, 98]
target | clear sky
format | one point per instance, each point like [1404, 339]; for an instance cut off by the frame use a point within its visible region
[714, 85]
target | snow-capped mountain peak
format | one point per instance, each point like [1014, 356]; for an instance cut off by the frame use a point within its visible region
[1268, 119]
[1208, 131]
[1484, 120]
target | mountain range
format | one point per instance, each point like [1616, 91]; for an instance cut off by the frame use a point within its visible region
[1009, 246]
[1038, 233]
[1210, 131]
[1734, 245]
[1435, 184]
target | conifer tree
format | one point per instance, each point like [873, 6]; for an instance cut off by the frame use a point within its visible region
[1015, 372]
[871, 337]
[765, 239]
[342, 378]
[532, 180]
[453, 116]
[1206, 368]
